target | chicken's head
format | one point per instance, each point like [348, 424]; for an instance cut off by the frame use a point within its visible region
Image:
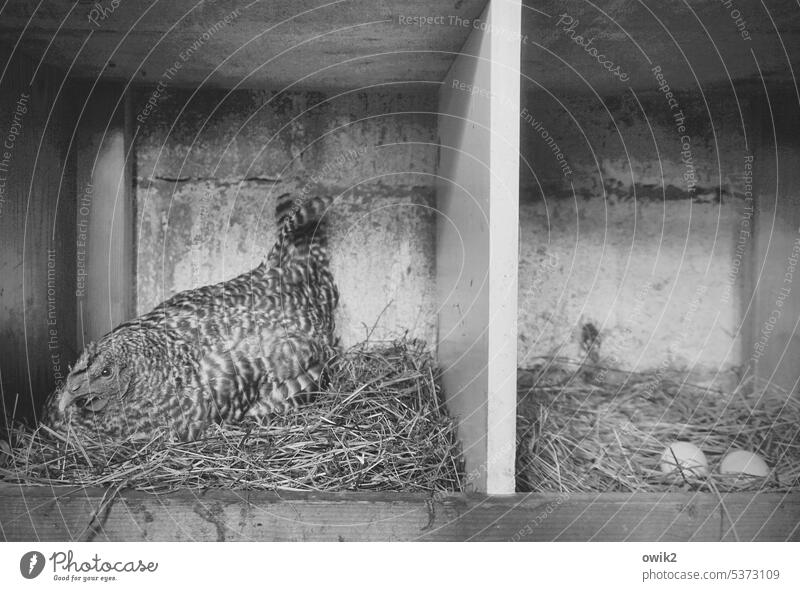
[97, 393]
[100, 375]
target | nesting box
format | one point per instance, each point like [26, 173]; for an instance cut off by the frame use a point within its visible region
[146, 145]
[168, 137]
[649, 191]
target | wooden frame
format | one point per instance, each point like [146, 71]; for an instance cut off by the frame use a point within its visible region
[63, 514]
[771, 304]
[477, 246]
[479, 135]
[105, 211]
[69, 188]
[37, 230]
[479, 127]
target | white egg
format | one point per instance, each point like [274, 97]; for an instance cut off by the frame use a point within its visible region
[689, 457]
[744, 462]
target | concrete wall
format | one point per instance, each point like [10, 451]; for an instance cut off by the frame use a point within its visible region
[210, 167]
[655, 269]
[611, 234]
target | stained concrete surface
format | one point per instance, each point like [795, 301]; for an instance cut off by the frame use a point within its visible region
[622, 242]
[208, 175]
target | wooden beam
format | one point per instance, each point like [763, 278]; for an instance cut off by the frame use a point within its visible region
[772, 336]
[105, 213]
[504, 20]
[64, 514]
[477, 235]
[37, 235]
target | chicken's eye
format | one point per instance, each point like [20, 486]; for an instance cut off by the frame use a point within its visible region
[106, 372]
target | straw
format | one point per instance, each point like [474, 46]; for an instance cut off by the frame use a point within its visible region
[578, 434]
[381, 425]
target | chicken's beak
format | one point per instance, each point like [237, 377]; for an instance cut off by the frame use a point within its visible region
[74, 389]
[66, 400]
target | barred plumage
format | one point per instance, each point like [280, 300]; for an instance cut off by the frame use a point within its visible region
[251, 346]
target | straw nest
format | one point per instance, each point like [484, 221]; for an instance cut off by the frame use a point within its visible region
[589, 431]
[380, 426]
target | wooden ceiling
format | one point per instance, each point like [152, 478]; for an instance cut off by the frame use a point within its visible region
[308, 44]
[330, 44]
[697, 43]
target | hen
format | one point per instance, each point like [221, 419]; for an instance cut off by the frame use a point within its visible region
[251, 346]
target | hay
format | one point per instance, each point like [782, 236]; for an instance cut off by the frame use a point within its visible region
[381, 426]
[605, 432]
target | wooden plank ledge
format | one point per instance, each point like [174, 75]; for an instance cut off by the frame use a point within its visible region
[65, 514]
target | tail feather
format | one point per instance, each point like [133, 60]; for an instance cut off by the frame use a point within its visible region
[295, 215]
[284, 207]
[300, 228]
